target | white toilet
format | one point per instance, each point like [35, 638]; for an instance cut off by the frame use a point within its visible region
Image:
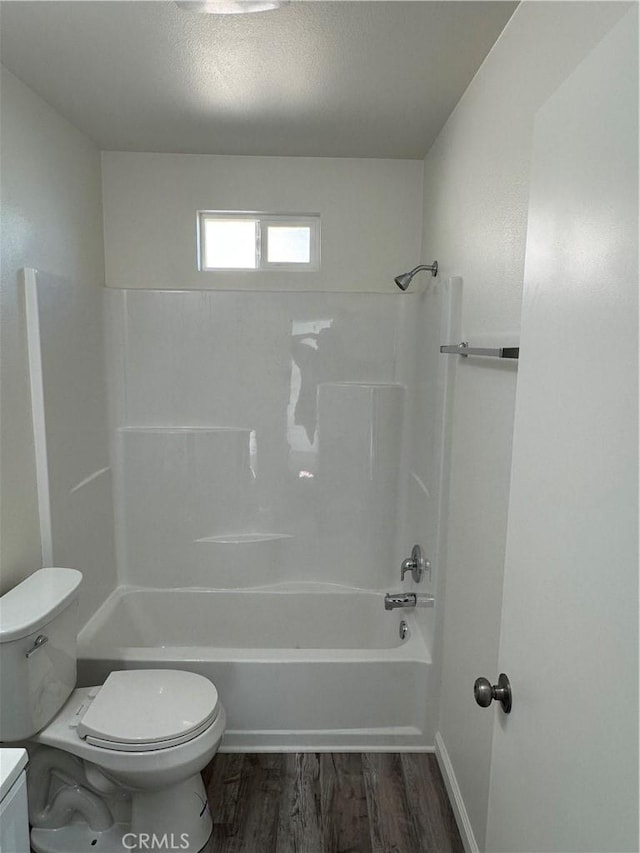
[116, 767]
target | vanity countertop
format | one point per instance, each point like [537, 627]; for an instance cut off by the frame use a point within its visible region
[12, 763]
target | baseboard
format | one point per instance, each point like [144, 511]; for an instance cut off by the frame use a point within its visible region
[457, 803]
[399, 739]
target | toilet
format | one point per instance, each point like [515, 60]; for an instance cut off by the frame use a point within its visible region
[111, 768]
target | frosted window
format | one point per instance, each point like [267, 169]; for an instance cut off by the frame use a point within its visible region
[246, 240]
[230, 244]
[288, 244]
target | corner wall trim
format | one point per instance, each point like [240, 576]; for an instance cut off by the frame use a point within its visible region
[455, 795]
[34, 352]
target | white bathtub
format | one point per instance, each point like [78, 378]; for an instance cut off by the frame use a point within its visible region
[297, 669]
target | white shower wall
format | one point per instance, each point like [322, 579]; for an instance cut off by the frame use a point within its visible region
[257, 436]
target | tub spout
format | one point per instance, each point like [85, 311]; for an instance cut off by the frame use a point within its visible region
[400, 599]
[407, 599]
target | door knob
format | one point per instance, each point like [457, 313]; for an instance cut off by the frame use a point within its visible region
[485, 692]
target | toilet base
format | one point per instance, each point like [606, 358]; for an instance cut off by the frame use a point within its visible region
[174, 820]
[179, 813]
[78, 838]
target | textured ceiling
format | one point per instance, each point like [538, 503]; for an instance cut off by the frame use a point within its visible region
[333, 79]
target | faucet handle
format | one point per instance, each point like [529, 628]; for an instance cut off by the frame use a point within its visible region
[416, 564]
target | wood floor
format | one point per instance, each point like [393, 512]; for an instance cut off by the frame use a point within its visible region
[329, 803]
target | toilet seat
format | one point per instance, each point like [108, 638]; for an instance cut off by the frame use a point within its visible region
[144, 710]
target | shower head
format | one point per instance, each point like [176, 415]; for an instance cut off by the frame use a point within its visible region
[403, 281]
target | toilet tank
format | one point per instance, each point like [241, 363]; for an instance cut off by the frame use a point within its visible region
[38, 630]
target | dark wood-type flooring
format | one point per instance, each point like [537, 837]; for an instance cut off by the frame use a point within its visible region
[329, 803]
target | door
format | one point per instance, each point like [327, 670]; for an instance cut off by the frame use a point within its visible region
[564, 773]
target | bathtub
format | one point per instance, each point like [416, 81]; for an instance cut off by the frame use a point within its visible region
[320, 668]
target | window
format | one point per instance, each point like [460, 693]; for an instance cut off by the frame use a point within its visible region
[258, 241]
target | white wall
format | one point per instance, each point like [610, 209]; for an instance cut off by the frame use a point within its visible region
[475, 215]
[370, 213]
[52, 220]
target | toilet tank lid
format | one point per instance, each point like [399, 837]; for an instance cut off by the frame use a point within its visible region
[36, 601]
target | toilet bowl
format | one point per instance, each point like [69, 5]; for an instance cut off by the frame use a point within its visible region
[113, 767]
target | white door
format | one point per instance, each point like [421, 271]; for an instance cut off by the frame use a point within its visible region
[564, 774]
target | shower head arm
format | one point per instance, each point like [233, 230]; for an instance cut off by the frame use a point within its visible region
[432, 268]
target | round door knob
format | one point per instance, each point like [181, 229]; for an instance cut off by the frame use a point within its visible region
[485, 692]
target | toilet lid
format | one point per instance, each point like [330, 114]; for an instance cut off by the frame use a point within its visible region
[144, 709]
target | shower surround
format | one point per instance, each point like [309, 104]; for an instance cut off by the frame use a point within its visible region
[257, 437]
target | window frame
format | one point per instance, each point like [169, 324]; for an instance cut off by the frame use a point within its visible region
[263, 220]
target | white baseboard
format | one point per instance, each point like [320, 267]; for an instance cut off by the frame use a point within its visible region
[399, 739]
[457, 803]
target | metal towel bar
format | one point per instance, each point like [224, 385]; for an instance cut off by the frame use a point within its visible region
[464, 350]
